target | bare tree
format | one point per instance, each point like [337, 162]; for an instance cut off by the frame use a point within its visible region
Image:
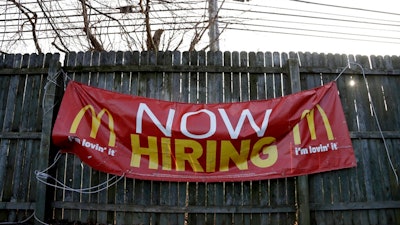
[104, 25]
[32, 20]
[86, 28]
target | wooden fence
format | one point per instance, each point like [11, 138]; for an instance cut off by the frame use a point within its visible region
[31, 90]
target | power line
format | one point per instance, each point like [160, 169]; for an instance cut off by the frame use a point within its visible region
[197, 17]
[311, 11]
[312, 17]
[196, 21]
[310, 35]
[108, 26]
[318, 31]
[347, 7]
[340, 35]
[226, 22]
[69, 35]
[246, 11]
[241, 19]
[241, 11]
[279, 20]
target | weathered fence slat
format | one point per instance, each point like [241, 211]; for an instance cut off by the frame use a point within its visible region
[303, 190]
[7, 126]
[43, 153]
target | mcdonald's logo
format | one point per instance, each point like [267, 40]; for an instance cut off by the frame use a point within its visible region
[309, 114]
[96, 121]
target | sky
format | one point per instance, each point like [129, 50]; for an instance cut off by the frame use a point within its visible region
[365, 27]
[358, 27]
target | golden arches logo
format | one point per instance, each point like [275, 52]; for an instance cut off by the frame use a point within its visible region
[96, 121]
[309, 114]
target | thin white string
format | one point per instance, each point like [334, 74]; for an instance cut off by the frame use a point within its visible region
[89, 190]
[66, 78]
[19, 222]
[53, 80]
[50, 80]
[37, 219]
[42, 177]
[340, 74]
[375, 116]
[25, 220]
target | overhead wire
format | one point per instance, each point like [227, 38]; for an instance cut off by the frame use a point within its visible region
[347, 7]
[310, 35]
[355, 19]
[315, 17]
[303, 28]
[238, 18]
[246, 11]
[111, 33]
[249, 19]
[361, 27]
[221, 19]
[5, 26]
[343, 14]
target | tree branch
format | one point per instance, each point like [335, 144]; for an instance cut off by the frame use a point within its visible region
[150, 41]
[52, 25]
[32, 20]
[123, 28]
[97, 46]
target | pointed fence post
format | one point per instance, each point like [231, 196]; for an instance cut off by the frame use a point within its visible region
[303, 197]
[45, 144]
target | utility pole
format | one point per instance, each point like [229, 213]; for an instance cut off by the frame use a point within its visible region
[213, 20]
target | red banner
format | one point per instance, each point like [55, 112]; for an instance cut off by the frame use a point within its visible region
[151, 139]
